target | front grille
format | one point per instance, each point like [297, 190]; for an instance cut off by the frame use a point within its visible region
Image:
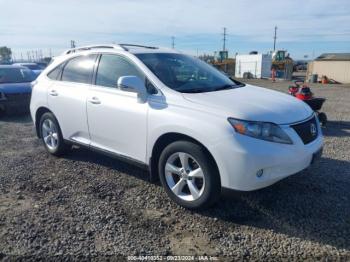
[308, 130]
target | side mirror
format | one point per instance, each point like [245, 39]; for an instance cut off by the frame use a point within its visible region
[133, 84]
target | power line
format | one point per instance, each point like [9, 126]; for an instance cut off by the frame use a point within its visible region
[274, 39]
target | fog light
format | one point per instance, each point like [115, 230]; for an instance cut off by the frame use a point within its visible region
[260, 173]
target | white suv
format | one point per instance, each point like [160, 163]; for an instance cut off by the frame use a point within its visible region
[196, 129]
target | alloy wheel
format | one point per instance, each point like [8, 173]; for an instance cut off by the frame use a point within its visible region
[50, 134]
[184, 176]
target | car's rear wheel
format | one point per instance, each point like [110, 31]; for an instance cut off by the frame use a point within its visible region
[51, 135]
[189, 175]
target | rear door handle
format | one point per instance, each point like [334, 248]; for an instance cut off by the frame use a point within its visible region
[95, 100]
[53, 93]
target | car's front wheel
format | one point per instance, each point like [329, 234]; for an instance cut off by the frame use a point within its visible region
[189, 175]
[51, 135]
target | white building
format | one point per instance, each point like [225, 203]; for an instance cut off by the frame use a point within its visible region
[258, 65]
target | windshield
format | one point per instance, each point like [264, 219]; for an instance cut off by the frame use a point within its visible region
[16, 75]
[186, 74]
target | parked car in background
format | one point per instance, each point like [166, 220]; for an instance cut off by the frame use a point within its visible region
[195, 128]
[42, 65]
[15, 88]
[37, 69]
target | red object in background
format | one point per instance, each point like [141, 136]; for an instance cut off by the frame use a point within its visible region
[303, 96]
[293, 90]
[301, 92]
[304, 93]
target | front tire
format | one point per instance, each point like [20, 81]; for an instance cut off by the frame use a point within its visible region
[189, 175]
[51, 135]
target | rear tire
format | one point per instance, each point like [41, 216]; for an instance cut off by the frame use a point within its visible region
[51, 135]
[189, 175]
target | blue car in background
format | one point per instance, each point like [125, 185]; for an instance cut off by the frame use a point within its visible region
[15, 88]
[36, 68]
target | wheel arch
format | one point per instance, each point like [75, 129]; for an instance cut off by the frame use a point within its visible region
[166, 139]
[39, 112]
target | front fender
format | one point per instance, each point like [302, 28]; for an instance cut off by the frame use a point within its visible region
[205, 128]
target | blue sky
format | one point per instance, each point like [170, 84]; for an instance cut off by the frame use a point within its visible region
[305, 27]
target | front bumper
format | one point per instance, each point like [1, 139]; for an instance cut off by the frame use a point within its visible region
[240, 158]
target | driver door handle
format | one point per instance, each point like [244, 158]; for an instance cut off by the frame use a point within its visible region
[95, 100]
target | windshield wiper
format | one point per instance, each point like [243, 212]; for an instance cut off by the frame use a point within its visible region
[194, 90]
[203, 90]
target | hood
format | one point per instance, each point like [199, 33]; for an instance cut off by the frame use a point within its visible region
[16, 88]
[255, 104]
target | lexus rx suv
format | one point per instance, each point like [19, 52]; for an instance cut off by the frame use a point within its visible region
[194, 128]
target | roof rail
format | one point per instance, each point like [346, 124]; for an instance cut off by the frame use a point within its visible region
[123, 47]
[133, 45]
[90, 47]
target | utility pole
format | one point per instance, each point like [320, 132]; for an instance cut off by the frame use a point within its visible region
[173, 42]
[224, 40]
[72, 43]
[274, 39]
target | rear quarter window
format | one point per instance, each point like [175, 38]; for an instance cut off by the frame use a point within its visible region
[55, 74]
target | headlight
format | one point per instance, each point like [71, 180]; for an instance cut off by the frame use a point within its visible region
[260, 130]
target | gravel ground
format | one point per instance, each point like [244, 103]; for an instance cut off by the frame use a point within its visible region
[85, 205]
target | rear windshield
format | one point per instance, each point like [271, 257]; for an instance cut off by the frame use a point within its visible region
[16, 75]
